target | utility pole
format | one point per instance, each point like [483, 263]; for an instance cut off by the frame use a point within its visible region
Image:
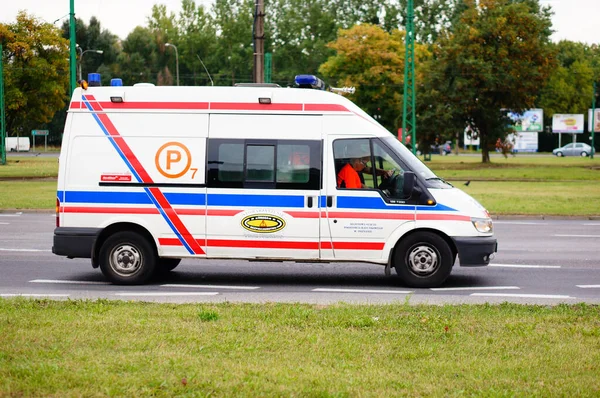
[2, 117]
[593, 121]
[409, 124]
[259, 42]
[73, 58]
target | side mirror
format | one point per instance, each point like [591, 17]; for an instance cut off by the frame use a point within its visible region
[409, 184]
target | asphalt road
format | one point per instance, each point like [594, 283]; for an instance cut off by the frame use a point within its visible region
[539, 261]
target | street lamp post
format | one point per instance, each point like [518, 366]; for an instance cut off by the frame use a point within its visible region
[593, 121]
[81, 52]
[176, 60]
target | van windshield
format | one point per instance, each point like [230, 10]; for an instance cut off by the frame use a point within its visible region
[414, 164]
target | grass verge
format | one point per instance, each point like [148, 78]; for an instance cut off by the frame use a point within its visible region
[24, 194]
[85, 348]
[30, 167]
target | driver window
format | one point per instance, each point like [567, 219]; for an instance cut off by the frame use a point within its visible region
[391, 181]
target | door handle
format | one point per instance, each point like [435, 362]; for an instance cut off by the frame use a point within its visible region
[330, 201]
[310, 202]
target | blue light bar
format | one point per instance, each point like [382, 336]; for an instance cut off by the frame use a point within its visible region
[309, 81]
[94, 80]
[116, 82]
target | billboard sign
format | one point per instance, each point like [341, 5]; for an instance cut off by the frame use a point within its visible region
[596, 121]
[531, 120]
[524, 142]
[567, 123]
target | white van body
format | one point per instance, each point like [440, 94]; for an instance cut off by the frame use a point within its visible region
[17, 144]
[151, 175]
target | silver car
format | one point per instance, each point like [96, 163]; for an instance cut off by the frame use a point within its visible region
[573, 149]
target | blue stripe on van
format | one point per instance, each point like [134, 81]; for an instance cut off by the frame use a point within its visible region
[377, 203]
[255, 200]
[130, 198]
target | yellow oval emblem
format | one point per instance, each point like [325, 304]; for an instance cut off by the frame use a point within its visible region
[263, 223]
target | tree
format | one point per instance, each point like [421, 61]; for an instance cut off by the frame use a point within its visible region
[36, 73]
[496, 60]
[372, 60]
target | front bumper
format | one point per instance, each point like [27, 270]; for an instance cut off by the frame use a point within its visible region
[475, 251]
[74, 242]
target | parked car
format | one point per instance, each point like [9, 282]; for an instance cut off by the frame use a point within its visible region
[442, 149]
[573, 149]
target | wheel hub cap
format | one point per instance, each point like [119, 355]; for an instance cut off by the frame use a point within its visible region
[423, 260]
[125, 260]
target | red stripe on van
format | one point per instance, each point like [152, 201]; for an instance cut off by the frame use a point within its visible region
[251, 106]
[442, 217]
[302, 214]
[352, 245]
[110, 210]
[263, 244]
[325, 108]
[370, 215]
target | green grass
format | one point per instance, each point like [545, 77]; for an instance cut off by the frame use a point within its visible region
[24, 194]
[101, 348]
[29, 167]
[536, 198]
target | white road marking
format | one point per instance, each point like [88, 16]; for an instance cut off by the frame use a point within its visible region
[592, 224]
[32, 295]
[577, 236]
[25, 250]
[361, 291]
[4, 223]
[549, 296]
[212, 286]
[11, 215]
[589, 286]
[524, 266]
[69, 282]
[158, 294]
[475, 288]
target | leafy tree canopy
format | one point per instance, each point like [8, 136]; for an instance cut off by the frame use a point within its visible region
[36, 73]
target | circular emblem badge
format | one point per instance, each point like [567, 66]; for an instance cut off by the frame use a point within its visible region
[263, 223]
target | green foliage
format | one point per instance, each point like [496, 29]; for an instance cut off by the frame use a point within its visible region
[372, 60]
[36, 77]
[498, 57]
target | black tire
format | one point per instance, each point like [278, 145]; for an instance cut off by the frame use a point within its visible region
[584, 154]
[559, 154]
[423, 260]
[167, 264]
[127, 258]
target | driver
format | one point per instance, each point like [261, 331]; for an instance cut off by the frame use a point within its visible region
[350, 176]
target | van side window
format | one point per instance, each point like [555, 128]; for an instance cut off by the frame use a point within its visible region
[231, 159]
[293, 163]
[260, 160]
[264, 164]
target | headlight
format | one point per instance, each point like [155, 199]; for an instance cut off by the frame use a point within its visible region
[482, 224]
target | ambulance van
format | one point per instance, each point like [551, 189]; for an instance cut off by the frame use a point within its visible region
[151, 175]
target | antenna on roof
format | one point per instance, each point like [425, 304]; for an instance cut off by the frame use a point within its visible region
[211, 80]
[343, 90]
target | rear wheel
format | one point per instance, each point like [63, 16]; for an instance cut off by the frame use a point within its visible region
[423, 259]
[584, 154]
[127, 258]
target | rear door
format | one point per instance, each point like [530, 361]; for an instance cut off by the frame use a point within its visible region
[264, 179]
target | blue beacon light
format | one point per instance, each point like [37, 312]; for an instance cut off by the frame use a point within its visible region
[116, 82]
[94, 80]
[309, 81]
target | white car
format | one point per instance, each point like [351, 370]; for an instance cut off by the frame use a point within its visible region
[573, 149]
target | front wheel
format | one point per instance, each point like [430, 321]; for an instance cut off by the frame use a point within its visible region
[584, 154]
[559, 154]
[423, 260]
[127, 258]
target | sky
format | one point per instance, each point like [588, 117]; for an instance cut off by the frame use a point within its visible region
[573, 19]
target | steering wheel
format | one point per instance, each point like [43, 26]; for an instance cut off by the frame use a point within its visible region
[388, 182]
